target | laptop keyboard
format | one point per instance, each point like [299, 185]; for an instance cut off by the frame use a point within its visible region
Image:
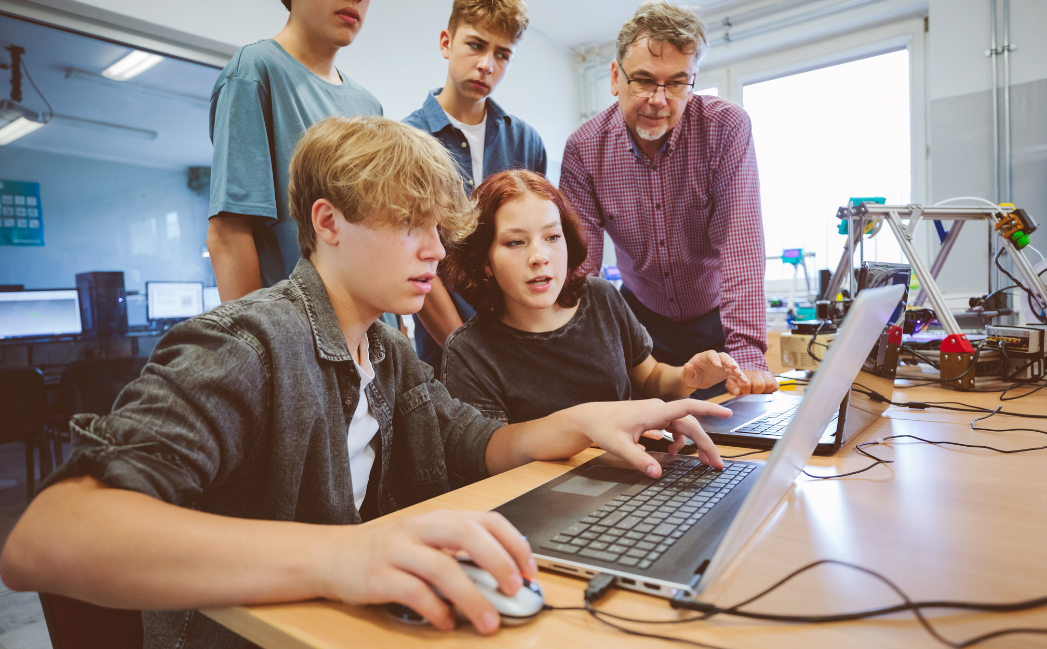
[635, 531]
[774, 424]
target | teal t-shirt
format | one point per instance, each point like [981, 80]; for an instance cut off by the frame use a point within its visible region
[262, 103]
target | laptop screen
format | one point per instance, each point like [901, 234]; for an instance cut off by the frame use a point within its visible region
[28, 314]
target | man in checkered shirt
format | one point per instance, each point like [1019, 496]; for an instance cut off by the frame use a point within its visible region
[672, 178]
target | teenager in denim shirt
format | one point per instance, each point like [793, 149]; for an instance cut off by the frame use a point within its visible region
[236, 468]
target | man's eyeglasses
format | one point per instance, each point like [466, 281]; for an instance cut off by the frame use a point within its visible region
[645, 88]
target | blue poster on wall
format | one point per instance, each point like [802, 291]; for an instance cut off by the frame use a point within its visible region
[21, 217]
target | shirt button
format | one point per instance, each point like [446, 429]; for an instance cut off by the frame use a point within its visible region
[464, 145]
[662, 242]
[671, 300]
[667, 274]
[348, 402]
[657, 206]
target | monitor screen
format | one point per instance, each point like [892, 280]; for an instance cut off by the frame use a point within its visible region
[27, 314]
[174, 300]
[136, 311]
[211, 299]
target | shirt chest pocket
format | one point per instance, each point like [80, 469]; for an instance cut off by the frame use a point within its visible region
[418, 449]
[694, 228]
[628, 223]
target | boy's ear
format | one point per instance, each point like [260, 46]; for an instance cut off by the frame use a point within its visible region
[445, 43]
[326, 221]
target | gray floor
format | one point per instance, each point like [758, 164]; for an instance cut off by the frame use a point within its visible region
[21, 619]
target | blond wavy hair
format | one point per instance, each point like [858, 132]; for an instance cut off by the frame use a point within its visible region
[665, 22]
[506, 17]
[377, 170]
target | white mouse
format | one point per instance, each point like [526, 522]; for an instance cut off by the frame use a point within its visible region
[522, 607]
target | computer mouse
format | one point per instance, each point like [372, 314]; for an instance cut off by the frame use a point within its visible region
[520, 608]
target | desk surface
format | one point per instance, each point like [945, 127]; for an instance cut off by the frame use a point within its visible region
[942, 523]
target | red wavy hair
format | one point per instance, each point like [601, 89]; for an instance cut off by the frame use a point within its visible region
[467, 261]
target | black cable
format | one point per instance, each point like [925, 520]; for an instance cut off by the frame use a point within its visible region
[814, 337]
[909, 605]
[1028, 292]
[732, 457]
[50, 110]
[878, 461]
[707, 611]
[1005, 430]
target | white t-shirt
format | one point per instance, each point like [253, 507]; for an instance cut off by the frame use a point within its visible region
[362, 431]
[474, 135]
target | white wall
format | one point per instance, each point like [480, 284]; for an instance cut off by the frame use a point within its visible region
[396, 56]
[960, 122]
[107, 216]
[960, 35]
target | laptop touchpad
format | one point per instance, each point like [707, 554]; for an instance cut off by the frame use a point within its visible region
[597, 480]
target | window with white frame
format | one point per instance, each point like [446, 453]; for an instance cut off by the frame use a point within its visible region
[818, 143]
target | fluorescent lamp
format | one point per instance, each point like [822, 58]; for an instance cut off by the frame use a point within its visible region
[17, 129]
[131, 65]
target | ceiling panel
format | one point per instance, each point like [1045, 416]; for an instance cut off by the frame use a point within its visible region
[169, 100]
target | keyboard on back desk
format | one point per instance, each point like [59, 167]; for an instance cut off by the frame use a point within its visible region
[635, 531]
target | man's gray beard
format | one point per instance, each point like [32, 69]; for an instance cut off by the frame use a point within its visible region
[649, 135]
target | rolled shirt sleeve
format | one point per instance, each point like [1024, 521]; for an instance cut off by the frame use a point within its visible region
[187, 422]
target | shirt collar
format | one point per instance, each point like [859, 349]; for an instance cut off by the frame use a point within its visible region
[618, 124]
[330, 341]
[436, 118]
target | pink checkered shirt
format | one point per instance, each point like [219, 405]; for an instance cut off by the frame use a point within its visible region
[686, 227]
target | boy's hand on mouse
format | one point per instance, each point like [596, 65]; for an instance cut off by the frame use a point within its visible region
[617, 427]
[402, 559]
[708, 368]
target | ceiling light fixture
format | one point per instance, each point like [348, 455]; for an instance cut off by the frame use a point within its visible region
[17, 129]
[131, 65]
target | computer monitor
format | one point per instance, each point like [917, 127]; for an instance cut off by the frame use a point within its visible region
[40, 314]
[172, 301]
[211, 299]
[137, 318]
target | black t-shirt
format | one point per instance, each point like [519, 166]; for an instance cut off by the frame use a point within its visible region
[518, 376]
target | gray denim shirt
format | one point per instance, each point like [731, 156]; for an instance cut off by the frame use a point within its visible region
[244, 411]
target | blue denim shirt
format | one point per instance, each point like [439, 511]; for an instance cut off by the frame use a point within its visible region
[244, 411]
[509, 143]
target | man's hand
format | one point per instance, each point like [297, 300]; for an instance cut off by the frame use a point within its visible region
[403, 559]
[760, 382]
[708, 368]
[617, 427]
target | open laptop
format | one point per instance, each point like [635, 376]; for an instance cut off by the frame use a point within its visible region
[760, 419]
[676, 535]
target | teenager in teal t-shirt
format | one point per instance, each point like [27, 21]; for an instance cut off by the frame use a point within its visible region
[262, 103]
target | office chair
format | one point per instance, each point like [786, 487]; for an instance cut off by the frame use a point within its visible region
[73, 624]
[21, 415]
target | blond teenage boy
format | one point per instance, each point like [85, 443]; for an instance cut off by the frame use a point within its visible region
[235, 469]
[479, 44]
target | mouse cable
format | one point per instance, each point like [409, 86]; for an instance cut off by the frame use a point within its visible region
[707, 611]
[598, 587]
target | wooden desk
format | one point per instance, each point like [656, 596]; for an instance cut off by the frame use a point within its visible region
[942, 523]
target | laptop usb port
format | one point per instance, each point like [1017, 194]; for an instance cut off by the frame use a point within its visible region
[648, 584]
[627, 582]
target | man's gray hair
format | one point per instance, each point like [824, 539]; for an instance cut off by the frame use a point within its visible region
[665, 22]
